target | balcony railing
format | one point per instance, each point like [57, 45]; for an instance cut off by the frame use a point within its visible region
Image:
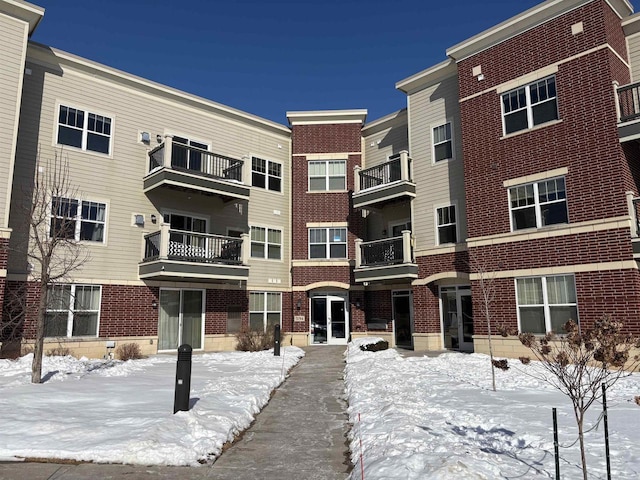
[187, 158]
[629, 102]
[168, 244]
[397, 168]
[388, 251]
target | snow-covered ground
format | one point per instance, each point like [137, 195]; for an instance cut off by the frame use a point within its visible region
[437, 418]
[122, 412]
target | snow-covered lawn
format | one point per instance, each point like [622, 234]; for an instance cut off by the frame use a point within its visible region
[438, 418]
[122, 412]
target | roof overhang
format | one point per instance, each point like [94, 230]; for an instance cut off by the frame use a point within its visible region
[32, 14]
[325, 117]
[430, 76]
[395, 118]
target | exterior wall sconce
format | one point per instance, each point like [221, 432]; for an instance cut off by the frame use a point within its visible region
[159, 138]
[154, 304]
[298, 304]
[357, 303]
[154, 219]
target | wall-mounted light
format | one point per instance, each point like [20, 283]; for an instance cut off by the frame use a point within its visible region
[154, 219]
[298, 304]
[159, 138]
[154, 304]
[357, 303]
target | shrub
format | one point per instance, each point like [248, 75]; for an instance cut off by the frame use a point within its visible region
[253, 340]
[128, 351]
[525, 360]
[501, 364]
[375, 347]
[59, 352]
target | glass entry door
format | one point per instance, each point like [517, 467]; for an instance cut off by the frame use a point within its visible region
[329, 320]
[402, 317]
[457, 318]
[181, 319]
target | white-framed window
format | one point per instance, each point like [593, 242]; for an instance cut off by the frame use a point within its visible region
[72, 311]
[442, 142]
[546, 303]
[538, 204]
[77, 219]
[327, 175]
[266, 174]
[447, 224]
[327, 242]
[265, 310]
[530, 105]
[266, 243]
[84, 129]
[189, 154]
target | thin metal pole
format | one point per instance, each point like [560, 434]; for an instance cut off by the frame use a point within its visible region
[555, 443]
[606, 430]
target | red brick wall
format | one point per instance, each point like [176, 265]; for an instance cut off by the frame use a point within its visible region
[426, 309]
[446, 262]
[308, 275]
[378, 305]
[128, 310]
[344, 137]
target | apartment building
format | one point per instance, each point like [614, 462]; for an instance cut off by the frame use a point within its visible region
[514, 165]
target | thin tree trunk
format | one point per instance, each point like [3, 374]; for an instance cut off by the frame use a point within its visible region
[493, 368]
[583, 457]
[38, 352]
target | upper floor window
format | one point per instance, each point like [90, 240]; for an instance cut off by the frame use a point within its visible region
[77, 219]
[538, 204]
[72, 311]
[530, 105]
[327, 175]
[266, 174]
[545, 304]
[83, 129]
[265, 310]
[442, 142]
[266, 243]
[327, 243]
[447, 230]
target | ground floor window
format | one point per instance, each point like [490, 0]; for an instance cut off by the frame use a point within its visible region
[265, 310]
[546, 303]
[72, 311]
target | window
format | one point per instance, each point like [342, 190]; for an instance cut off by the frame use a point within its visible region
[77, 219]
[327, 175]
[266, 243]
[327, 243]
[546, 303]
[72, 311]
[265, 310]
[85, 130]
[530, 105]
[266, 174]
[447, 224]
[536, 205]
[442, 143]
[234, 319]
[188, 154]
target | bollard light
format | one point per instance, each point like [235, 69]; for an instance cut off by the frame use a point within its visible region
[276, 341]
[183, 379]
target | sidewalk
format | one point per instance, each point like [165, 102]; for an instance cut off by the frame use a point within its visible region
[300, 434]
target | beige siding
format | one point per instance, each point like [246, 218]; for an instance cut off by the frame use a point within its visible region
[634, 56]
[117, 179]
[385, 138]
[13, 41]
[438, 184]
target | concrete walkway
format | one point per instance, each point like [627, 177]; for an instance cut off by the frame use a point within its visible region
[300, 434]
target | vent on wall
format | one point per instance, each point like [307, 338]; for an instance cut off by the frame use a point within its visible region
[138, 220]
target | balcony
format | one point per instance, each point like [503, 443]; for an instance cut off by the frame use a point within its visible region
[386, 260]
[628, 112]
[185, 167]
[180, 256]
[390, 182]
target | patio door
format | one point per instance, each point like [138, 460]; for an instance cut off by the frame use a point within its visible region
[181, 319]
[457, 318]
[402, 306]
[184, 157]
[184, 240]
[329, 320]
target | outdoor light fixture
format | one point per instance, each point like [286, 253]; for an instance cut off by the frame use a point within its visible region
[154, 304]
[357, 303]
[154, 219]
[298, 304]
[159, 138]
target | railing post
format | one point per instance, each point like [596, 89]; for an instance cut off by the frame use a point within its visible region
[245, 249]
[406, 246]
[168, 148]
[245, 171]
[617, 97]
[632, 214]
[356, 178]
[358, 243]
[405, 174]
[164, 241]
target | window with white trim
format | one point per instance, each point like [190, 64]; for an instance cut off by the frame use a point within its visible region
[266, 174]
[77, 219]
[442, 142]
[265, 310]
[189, 154]
[538, 204]
[72, 311]
[326, 175]
[266, 243]
[530, 105]
[84, 129]
[447, 227]
[327, 243]
[546, 303]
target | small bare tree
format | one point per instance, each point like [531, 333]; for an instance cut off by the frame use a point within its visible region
[53, 249]
[581, 361]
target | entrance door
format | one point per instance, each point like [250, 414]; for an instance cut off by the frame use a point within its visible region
[329, 320]
[181, 313]
[402, 317]
[457, 318]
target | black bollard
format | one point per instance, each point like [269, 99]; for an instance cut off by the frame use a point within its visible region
[183, 379]
[276, 341]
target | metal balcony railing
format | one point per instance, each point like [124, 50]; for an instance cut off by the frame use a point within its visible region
[397, 168]
[629, 102]
[192, 247]
[388, 251]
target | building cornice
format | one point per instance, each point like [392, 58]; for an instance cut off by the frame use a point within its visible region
[32, 14]
[327, 117]
[398, 117]
[427, 77]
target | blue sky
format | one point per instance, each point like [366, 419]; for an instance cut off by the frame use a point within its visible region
[270, 57]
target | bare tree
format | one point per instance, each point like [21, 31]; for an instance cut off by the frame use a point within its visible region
[581, 361]
[53, 248]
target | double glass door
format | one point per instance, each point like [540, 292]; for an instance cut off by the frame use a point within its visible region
[329, 322]
[181, 319]
[457, 318]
